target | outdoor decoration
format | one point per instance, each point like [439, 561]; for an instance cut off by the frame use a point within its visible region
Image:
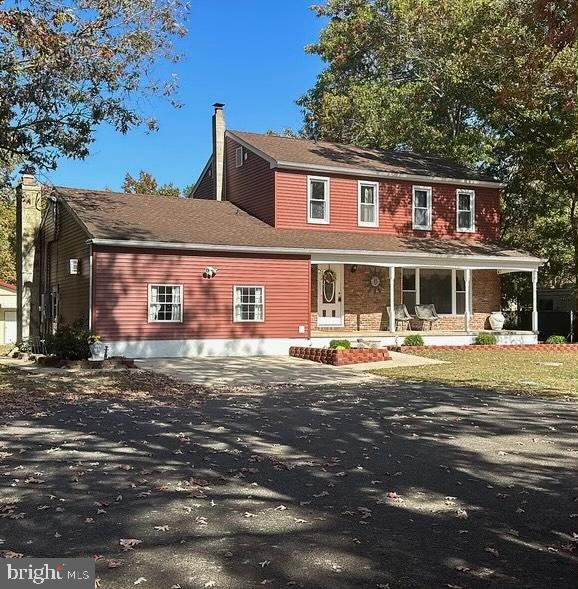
[375, 281]
[97, 348]
[329, 278]
[497, 320]
[209, 272]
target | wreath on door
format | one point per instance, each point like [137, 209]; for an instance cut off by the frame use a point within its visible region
[375, 281]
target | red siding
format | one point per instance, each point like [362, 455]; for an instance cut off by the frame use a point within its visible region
[205, 188]
[120, 283]
[395, 201]
[251, 186]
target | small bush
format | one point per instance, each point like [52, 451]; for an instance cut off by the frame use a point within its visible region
[70, 342]
[413, 340]
[486, 339]
[340, 344]
[556, 339]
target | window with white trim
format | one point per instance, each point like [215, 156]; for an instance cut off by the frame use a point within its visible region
[166, 303]
[409, 288]
[446, 289]
[368, 204]
[249, 303]
[422, 207]
[317, 199]
[238, 157]
[465, 210]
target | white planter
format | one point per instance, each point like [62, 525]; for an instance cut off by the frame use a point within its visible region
[497, 320]
[97, 351]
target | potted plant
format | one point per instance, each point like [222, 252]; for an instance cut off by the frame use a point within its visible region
[97, 348]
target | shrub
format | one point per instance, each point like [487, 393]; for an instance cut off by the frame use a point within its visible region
[556, 339]
[70, 342]
[486, 339]
[340, 344]
[413, 340]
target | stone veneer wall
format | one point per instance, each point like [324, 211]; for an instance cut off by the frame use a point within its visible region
[366, 310]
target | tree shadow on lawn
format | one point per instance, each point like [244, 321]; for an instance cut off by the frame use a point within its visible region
[409, 485]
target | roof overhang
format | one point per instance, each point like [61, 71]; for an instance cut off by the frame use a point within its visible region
[364, 172]
[361, 257]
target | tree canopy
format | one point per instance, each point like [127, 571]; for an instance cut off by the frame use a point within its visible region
[146, 183]
[65, 67]
[490, 83]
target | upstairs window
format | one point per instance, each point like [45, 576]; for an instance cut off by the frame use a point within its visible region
[465, 210]
[368, 204]
[249, 303]
[317, 200]
[238, 157]
[421, 208]
[166, 303]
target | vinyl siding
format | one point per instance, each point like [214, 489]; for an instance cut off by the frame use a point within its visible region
[252, 186]
[62, 242]
[205, 188]
[121, 278]
[395, 207]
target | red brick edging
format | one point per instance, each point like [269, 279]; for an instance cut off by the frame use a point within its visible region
[340, 357]
[473, 347]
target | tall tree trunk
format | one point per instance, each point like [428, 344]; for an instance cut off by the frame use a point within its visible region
[574, 229]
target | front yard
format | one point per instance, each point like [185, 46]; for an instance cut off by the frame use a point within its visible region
[542, 372]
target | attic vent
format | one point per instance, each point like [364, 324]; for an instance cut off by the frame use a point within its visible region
[73, 265]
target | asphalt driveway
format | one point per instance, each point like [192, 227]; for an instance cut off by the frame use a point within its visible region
[351, 486]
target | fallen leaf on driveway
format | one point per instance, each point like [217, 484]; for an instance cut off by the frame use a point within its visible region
[10, 554]
[162, 528]
[129, 543]
[139, 581]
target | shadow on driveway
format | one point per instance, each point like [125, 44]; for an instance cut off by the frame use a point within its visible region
[356, 486]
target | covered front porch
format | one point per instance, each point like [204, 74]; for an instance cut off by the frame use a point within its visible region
[352, 297]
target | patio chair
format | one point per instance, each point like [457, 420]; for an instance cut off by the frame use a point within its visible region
[426, 313]
[401, 315]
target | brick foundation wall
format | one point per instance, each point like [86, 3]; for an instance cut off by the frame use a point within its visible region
[366, 309]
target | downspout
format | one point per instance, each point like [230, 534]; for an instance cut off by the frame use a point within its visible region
[90, 288]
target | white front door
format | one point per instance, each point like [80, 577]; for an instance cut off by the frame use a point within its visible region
[9, 327]
[330, 295]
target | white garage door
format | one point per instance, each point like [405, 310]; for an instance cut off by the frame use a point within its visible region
[10, 327]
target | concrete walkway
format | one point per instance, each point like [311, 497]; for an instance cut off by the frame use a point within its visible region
[272, 370]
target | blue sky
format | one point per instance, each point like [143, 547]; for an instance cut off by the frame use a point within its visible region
[254, 62]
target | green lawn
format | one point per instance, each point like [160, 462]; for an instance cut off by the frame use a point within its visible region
[539, 372]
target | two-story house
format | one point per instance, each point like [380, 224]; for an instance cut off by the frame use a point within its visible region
[282, 242]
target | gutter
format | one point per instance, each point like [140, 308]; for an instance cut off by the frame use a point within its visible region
[528, 262]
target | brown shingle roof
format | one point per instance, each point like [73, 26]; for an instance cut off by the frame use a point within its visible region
[327, 154]
[132, 217]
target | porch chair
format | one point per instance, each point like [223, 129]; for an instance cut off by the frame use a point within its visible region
[426, 313]
[401, 315]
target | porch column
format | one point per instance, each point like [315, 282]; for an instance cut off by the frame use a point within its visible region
[468, 286]
[392, 298]
[534, 300]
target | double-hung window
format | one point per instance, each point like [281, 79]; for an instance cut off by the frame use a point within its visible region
[166, 303]
[368, 204]
[422, 208]
[317, 200]
[249, 303]
[465, 210]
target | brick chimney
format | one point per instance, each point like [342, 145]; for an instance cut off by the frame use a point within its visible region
[28, 217]
[218, 151]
